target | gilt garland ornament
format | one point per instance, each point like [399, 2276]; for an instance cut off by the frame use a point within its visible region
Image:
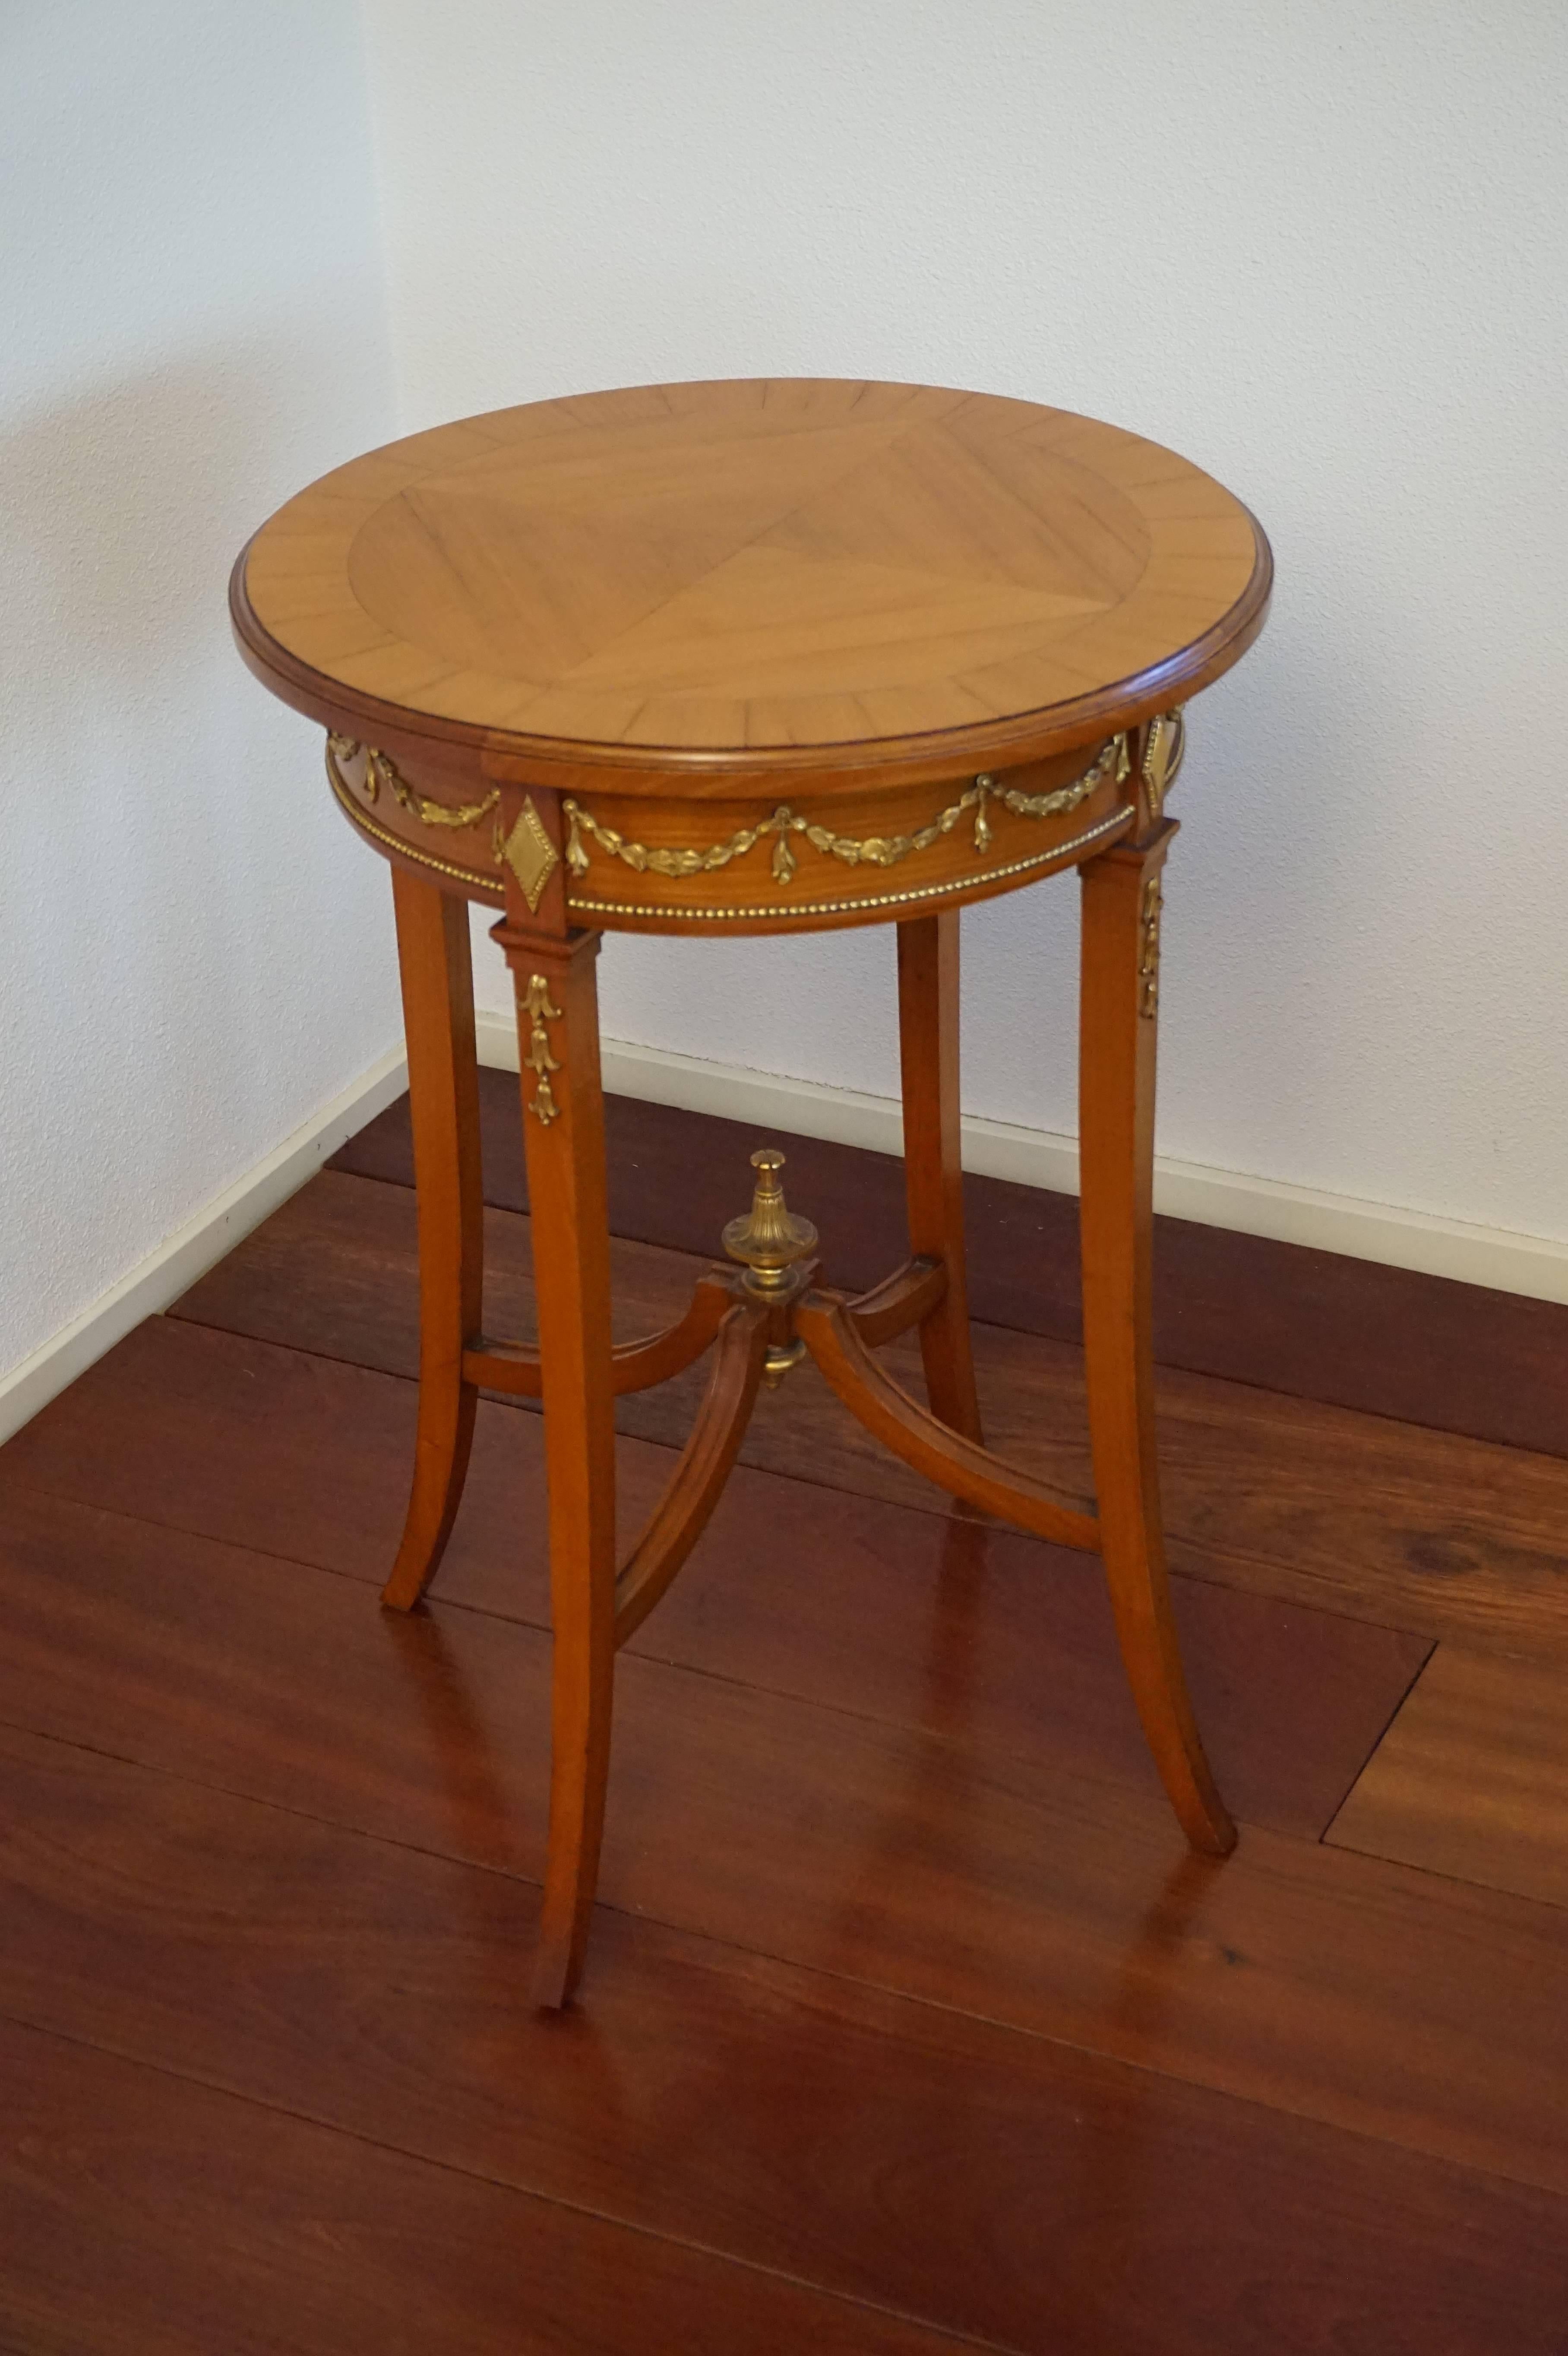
[381, 769]
[875, 851]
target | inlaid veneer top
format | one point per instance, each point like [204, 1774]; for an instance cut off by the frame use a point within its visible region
[672, 575]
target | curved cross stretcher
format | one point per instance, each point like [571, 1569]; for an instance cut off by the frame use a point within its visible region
[759, 1319]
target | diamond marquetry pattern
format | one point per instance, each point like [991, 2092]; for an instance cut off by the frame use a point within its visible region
[755, 564]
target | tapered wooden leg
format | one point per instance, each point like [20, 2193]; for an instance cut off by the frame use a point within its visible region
[933, 1174]
[563, 1126]
[444, 1098]
[1120, 999]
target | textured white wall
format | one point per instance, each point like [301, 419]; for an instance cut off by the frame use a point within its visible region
[195, 951]
[1317, 247]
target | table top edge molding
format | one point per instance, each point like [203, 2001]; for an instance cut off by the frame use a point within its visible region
[812, 771]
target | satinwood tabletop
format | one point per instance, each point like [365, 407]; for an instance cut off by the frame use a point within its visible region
[682, 582]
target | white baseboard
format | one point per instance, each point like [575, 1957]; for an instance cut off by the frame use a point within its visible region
[1184, 1190]
[1534, 1266]
[193, 1248]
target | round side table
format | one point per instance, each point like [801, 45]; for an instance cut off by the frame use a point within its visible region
[760, 658]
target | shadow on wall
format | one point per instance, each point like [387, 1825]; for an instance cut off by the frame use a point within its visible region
[125, 509]
[128, 712]
[191, 963]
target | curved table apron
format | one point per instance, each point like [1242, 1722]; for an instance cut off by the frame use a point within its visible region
[760, 658]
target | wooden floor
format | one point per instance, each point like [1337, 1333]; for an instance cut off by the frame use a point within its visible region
[909, 2023]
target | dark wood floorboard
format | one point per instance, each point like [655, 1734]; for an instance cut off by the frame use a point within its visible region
[1355, 1514]
[1455, 1357]
[336, 1271]
[222, 2228]
[1007, 2186]
[972, 1631]
[1331, 1986]
[910, 2021]
[249, 1672]
[1472, 1777]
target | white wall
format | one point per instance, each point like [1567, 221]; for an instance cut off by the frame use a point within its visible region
[1317, 247]
[193, 952]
